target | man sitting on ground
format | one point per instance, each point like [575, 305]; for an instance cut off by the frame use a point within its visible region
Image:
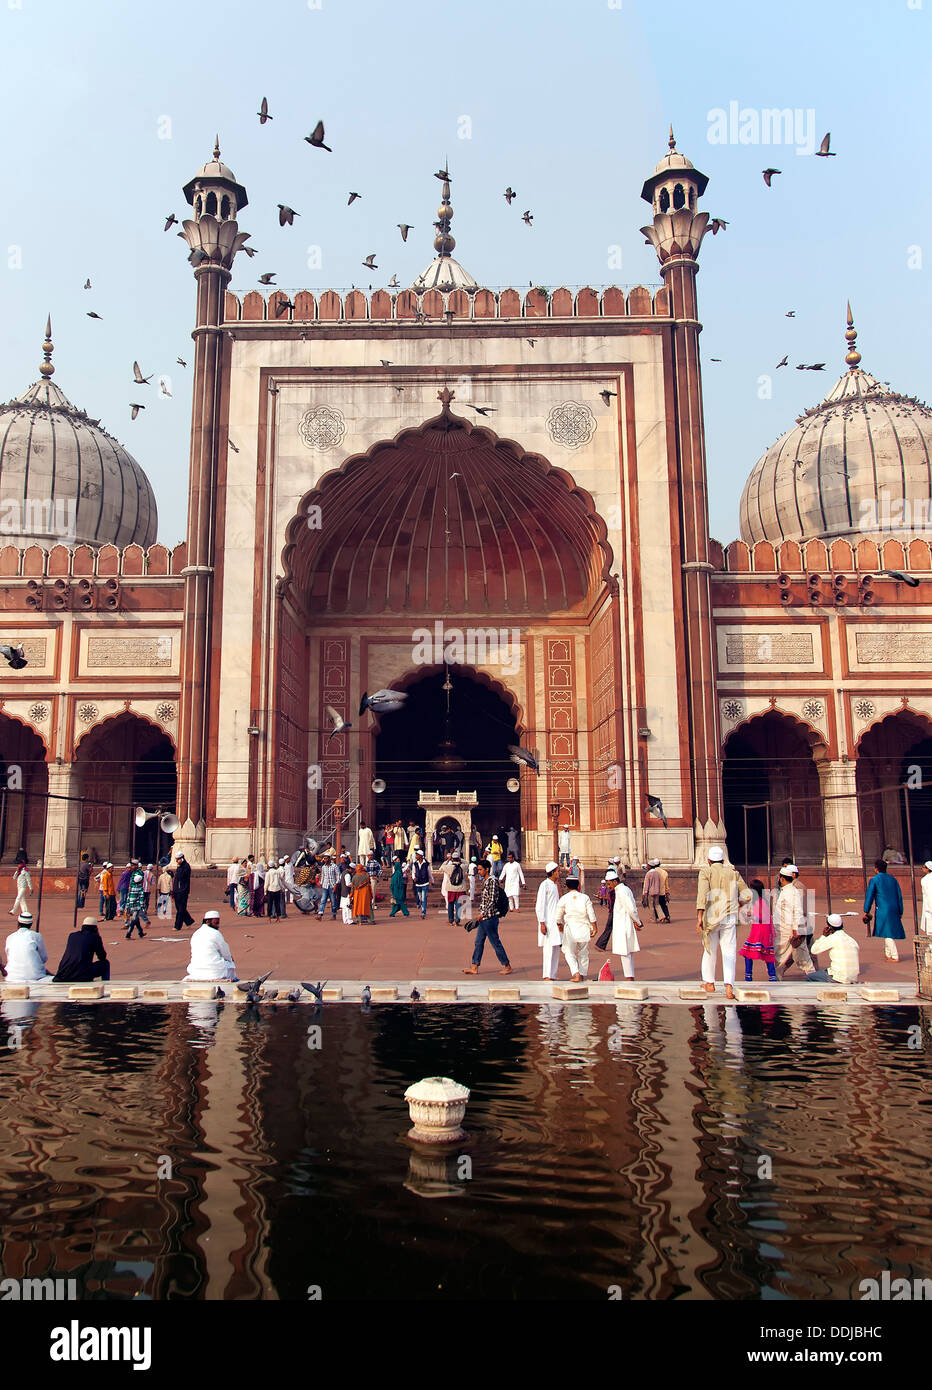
[211, 957]
[82, 949]
[844, 962]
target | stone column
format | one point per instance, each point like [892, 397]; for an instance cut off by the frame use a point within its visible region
[837, 783]
[63, 827]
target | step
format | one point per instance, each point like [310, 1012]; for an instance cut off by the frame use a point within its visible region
[694, 992]
[87, 991]
[571, 991]
[752, 996]
[631, 991]
[440, 995]
[199, 992]
[832, 996]
[123, 992]
[880, 994]
[15, 991]
[333, 994]
[504, 994]
[155, 994]
[384, 994]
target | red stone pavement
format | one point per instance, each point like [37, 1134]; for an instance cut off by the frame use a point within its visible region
[399, 949]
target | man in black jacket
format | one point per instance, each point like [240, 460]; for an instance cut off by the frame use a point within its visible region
[181, 887]
[81, 950]
[83, 880]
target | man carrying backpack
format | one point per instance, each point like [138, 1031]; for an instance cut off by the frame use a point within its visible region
[493, 904]
[453, 886]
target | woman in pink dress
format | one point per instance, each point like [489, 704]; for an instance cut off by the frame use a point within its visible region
[759, 945]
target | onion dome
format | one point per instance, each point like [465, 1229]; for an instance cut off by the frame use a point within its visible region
[668, 170]
[857, 464]
[444, 273]
[63, 478]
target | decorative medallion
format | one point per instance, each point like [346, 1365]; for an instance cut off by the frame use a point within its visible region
[732, 710]
[864, 709]
[322, 428]
[571, 424]
[165, 712]
[87, 713]
[38, 713]
[813, 709]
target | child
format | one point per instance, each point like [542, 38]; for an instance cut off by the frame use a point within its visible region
[759, 945]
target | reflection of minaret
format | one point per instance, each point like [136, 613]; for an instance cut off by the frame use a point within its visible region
[447, 759]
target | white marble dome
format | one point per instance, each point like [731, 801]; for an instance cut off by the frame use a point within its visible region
[64, 479]
[857, 464]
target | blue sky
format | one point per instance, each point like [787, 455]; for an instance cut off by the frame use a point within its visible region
[568, 102]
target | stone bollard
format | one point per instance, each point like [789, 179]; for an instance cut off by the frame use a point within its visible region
[437, 1106]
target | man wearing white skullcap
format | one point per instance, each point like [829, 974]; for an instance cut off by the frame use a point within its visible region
[720, 893]
[843, 952]
[548, 933]
[925, 883]
[792, 928]
[211, 957]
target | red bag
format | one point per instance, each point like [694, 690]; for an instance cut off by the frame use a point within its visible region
[606, 972]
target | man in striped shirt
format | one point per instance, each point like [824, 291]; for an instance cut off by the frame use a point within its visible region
[844, 955]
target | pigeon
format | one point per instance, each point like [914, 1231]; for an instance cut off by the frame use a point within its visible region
[369, 262]
[902, 578]
[87, 284]
[790, 314]
[443, 173]
[508, 194]
[233, 446]
[404, 228]
[823, 152]
[14, 656]
[385, 361]
[316, 138]
[198, 256]
[263, 112]
[715, 359]
[339, 723]
[268, 278]
[781, 364]
[482, 409]
[92, 315]
[138, 377]
[163, 389]
[366, 996]
[655, 808]
[527, 216]
[253, 988]
[181, 362]
[393, 283]
[718, 224]
[532, 342]
[317, 990]
[134, 409]
[815, 367]
[282, 305]
[293, 995]
[521, 755]
[221, 993]
[273, 390]
[383, 701]
[352, 198]
[170, 221]
[415, 994]
[768, 175]
[286, 214]
[607, 396]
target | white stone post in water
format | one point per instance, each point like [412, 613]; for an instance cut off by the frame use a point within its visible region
[437, 1106]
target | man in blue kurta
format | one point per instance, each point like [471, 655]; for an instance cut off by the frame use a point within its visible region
[885, 896]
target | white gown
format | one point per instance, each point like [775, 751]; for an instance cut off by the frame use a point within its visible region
[624, 916]
[26, 957]
[548, 897]
[925, 921]
[211, 958]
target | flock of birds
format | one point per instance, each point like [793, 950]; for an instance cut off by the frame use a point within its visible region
[254, 994]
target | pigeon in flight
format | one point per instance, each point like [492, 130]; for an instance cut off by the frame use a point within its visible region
[251, 251]
[790, 314]
[134, 409]
[197, 257]
[768, 175]
[286, 214]
[369, 262]
[655, 808]
[443, 173]
[352, 198]
[783, 363]
[163, 388]
[509, 194]
[715, 359]
[282, 305]
[393, 283]
[482, 409]
[823, 152]
[527, 216]
[385, 361]
[317, 990]
[87, 284]
[718, 224]
[607, 396]
[233, 446]
[316, 138]
[813, 367]
[253, 988]
[263, 112]
[532, 342]
[404, 228]
[92, 315]
[181, 362]
[382, 701]
[268, 278]
[902, 578]
[339, 723]
[170, 221]
[14, 656]
[138, 377]
[521, 755]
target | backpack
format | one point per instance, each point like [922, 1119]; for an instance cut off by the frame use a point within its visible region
[456, 877]
[501, 902]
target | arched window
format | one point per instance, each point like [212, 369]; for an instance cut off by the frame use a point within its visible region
[197, 206]
[212, 203]
[225, 207]
[664, 200]
[679, 197]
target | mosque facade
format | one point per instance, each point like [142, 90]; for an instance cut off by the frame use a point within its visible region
[494, 501]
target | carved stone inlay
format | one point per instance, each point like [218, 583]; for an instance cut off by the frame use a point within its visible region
[864, 709]
[813, 709]
[87, 713]
[883, 648]
[129, 651]
[571, 424]
[322, 428]
[768, 648]
[732, 710]
[38, 713]
[165, 712]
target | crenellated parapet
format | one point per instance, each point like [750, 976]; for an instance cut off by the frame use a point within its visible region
[814, 557]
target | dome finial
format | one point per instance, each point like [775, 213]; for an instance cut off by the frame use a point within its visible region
[672, 140]
[217, 147]
[443, 241]
[46, 369]
[852, 356]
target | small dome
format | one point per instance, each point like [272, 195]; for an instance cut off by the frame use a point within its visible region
[444, 273]
[864, 454]
[71, 481]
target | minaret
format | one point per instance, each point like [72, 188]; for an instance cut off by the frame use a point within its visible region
[676, 234]
[214, 239]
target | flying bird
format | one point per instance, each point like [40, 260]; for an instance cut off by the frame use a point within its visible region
[527, 216]
[385, 361]
[317, 990]
[715, 359]
[790, 314]
[532, 342]
[508, 194]
[263, 112]
[92, 315]
[393, 283]
[443, 173]
[134, 409]
[282, 305]
[138, 377]
[902, 578]
[718, 224]
[181, 362]
[769, 173]
[382, 701]
[823, 152]
[170, 221]
[369, 262]
[607, 396]
[233, 446]
[253, 988]
[783, 363]
[316, 138]
[286, 214]
[815, 367]
[163, 388]
[338, 722]
[197, 257]
[521, 755]
[268, 278]
[14, 656]
[655, 808]
[251, 251]
[482, 409]
[404, 228]
[87, 284]
[352, 198]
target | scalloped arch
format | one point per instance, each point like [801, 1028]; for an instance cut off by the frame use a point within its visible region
[814, 737]
[25, 724]
[906, 714]
[122, 714]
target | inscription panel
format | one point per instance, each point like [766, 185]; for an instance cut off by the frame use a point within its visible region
[892, 648]
[769, 649]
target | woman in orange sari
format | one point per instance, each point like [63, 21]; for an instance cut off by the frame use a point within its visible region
[361, 895]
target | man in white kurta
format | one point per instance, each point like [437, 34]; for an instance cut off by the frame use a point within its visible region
[625, 922]
[925, 883]
[365, 843]
[720, 894]
[211, 957]
[26, 954]
[548, 900]
[512, 881]
[576, 920]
